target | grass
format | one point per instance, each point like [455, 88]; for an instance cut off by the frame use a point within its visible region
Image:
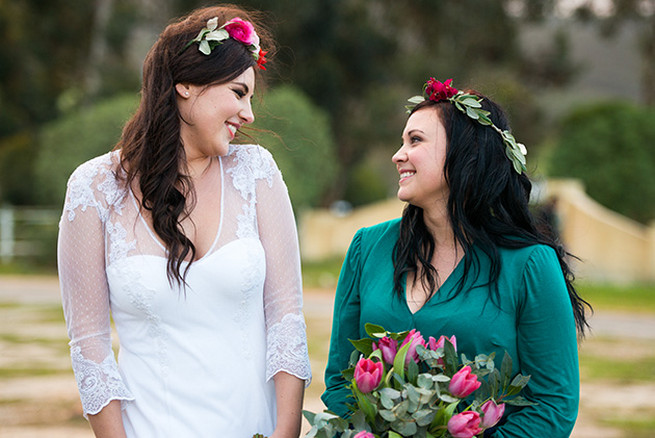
[631, 298]
[633, 427]
[617, 369]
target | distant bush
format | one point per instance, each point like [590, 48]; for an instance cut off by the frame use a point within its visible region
[301, 142]
[73, 139]
[17, 154]
[365, 185]
[610, 147]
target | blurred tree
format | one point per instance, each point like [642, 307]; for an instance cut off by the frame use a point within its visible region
[75, 138]
[609, 147]
[298, 134]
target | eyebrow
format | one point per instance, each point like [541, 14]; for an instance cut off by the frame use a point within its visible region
[242, 84]
[409, 133]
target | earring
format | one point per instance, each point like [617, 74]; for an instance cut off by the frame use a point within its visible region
[186, 94]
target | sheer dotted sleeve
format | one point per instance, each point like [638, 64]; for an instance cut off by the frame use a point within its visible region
[85, 294]
[285, 324]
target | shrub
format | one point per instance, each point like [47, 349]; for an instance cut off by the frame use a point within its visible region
[75, 138]
[609, 147]
[300, 139]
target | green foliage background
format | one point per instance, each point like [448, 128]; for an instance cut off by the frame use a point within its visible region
[298, 135]
[609, 146]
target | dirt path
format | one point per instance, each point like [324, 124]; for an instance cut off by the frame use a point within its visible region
[38, 395]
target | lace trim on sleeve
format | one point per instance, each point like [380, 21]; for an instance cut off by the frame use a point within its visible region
[287, 348]
[98, 383]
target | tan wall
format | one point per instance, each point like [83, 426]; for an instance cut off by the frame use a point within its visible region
[611, 247]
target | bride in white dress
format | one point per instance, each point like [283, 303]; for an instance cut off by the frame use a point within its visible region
[190, 243]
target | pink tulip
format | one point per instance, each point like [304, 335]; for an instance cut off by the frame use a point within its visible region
[389, 348]
[492, 413]
[364, 434]
[464, 425]
[463, 383]
[434, 344]
[415, 339]
[368, 375]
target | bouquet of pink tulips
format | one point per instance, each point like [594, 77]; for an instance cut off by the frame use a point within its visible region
[405, 386]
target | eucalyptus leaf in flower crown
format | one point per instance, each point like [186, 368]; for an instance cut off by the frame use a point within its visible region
[471, 105]
[405, 386]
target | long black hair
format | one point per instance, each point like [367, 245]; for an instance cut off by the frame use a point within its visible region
[487, 207]
[151, 148]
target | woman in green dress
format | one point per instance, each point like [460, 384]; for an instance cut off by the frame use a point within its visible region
[466, 259]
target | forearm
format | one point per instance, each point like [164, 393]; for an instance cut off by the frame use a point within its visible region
[108, 423]
[289, 397]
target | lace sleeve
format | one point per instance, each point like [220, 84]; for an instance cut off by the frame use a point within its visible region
[85, 294]
[286, 331]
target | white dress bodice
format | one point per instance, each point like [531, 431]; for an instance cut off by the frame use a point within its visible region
[195, 360]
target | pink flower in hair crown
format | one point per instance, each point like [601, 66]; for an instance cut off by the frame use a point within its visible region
[437, 90]
[242, 31]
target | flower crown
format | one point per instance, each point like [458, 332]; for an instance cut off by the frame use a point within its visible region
[470, 105]
[238, 29]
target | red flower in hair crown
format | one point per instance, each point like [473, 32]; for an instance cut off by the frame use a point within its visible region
[237, 29]
[471, 105]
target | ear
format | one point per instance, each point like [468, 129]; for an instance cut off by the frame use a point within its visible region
[183, 90]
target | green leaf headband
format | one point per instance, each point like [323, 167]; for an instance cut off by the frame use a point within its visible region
[238, 29]
[471, 105]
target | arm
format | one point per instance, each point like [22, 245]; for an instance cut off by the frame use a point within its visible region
[85, 300]
[547, 348]
[345, 326]
[287, 358]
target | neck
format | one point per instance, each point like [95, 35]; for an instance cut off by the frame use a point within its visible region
[197, 168]
[438, 224]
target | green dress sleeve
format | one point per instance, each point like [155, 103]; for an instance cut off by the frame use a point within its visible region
[345, 326]
[547, 349]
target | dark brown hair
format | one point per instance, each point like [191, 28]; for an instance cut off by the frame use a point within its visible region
[152, 153]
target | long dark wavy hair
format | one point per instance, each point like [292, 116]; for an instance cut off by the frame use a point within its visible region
[487, 207]
[152, 154]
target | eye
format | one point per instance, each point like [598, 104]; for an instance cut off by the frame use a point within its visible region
[415, 139]
[239, 92]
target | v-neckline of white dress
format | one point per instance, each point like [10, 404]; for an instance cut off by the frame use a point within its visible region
[153, 235]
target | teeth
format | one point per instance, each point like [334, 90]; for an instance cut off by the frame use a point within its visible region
[406, 174]
[232, 128]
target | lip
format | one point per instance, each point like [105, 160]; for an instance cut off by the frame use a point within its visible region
[232, 128]
[405, 174]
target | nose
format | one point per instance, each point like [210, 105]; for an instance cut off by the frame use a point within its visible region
[246, 114]
[400, 156]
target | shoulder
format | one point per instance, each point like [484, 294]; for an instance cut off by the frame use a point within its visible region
[528, 255]
[94, 168]
[94, 184]
[377, 238]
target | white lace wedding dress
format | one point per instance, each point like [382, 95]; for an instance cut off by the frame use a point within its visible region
[197, 362]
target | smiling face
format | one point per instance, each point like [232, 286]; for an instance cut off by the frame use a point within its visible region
[420, 160]
[211, 115]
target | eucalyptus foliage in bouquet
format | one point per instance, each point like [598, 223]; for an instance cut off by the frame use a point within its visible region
[403, 386]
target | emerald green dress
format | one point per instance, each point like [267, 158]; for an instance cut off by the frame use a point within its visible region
[533, 322]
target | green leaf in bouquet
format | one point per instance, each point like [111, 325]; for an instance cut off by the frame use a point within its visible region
[424, 417]
[485, 362]
[425, 381]
[354, 358]
[399, 360]
[375, 331]
[494, 381]
[388, 396]
[519, 382]
[405, 428]
[448, 398]
[442, 416]
[393, 434]
[413, 395]
[519, 401]
[387, 415]
[412, 371]
[364, 346]
[506, 371]
[450, 358]
[369, 409]
[441, 378]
